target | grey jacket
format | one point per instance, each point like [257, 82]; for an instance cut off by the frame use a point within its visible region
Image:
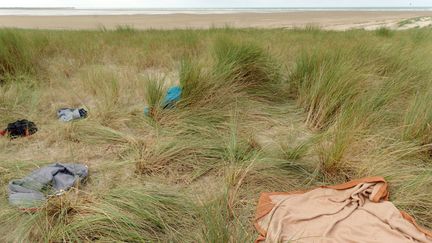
[53, 179]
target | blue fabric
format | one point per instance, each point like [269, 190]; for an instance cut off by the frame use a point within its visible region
[146, 111]
[172, 96]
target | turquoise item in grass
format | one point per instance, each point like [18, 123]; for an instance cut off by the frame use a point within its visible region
[146, 111]
[172, 96]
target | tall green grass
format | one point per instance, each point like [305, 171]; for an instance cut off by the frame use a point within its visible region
[247, 65]
[16, 54]
[130, 214]
[384, 31]
[324, 82]
[154, 94]
[261, 110]
[418, 118]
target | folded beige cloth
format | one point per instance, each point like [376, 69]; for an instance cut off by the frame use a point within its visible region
[357, 211]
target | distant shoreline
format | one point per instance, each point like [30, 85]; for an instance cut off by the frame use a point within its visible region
[332, 20]
[70, 11]
[30, 8]
[238, 8]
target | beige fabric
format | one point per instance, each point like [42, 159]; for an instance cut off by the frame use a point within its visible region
[359, 213]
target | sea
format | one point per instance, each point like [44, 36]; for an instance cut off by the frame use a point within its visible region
[147, 11]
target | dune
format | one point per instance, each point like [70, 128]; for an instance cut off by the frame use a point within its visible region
[261, 110]
[332, 20]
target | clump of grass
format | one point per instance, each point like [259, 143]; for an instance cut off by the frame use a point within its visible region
[15, 54]
[181, 158]
[218, 224]
[310, 28]
[238, 149]
[323, 83]
[228, 222]
[127, 214]
[422, 34]
[163, 155]
[332, 151]
[418, 118]
[132, 214]
[405, 22]
[46, 223]
[203, 93]
[129, 29]
[18, 96]
[154, 94]
[384, 31]
[104, 86]
[96, 133]
[294, 153]
[196, 85]
[215, 219]
[245, 64]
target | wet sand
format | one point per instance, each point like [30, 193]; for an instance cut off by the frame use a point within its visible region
[336, 20]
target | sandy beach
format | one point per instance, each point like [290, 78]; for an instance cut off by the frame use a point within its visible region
[332, 20]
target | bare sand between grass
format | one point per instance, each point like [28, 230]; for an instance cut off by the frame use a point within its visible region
[331, 20]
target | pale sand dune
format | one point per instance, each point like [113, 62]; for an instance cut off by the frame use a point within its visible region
[335, 20]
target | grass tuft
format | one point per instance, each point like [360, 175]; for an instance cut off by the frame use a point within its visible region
[384, 32]
[15, 54]
[418, 118]
[245, 64]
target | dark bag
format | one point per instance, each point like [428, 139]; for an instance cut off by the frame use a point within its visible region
[21, 128]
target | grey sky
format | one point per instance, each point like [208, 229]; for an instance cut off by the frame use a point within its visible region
[212, 3]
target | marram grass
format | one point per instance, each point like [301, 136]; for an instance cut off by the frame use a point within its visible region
[262, 110]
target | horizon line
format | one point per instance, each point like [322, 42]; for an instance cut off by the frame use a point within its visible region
[217, 8]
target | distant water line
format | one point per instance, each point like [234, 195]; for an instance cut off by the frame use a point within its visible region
[90, 12]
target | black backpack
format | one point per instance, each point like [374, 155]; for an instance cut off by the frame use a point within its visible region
[21, 128]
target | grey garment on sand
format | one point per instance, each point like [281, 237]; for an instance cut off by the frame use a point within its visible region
[68, 114]
[53, 179]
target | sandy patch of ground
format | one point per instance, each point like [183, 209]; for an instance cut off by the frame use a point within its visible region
[395, 24]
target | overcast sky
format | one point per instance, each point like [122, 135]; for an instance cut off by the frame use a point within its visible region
[212, 3]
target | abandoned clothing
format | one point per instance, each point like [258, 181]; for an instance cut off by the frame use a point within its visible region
[67, 114]
[20, 128]
[357, 211]
[172, 96]
[54, 179]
